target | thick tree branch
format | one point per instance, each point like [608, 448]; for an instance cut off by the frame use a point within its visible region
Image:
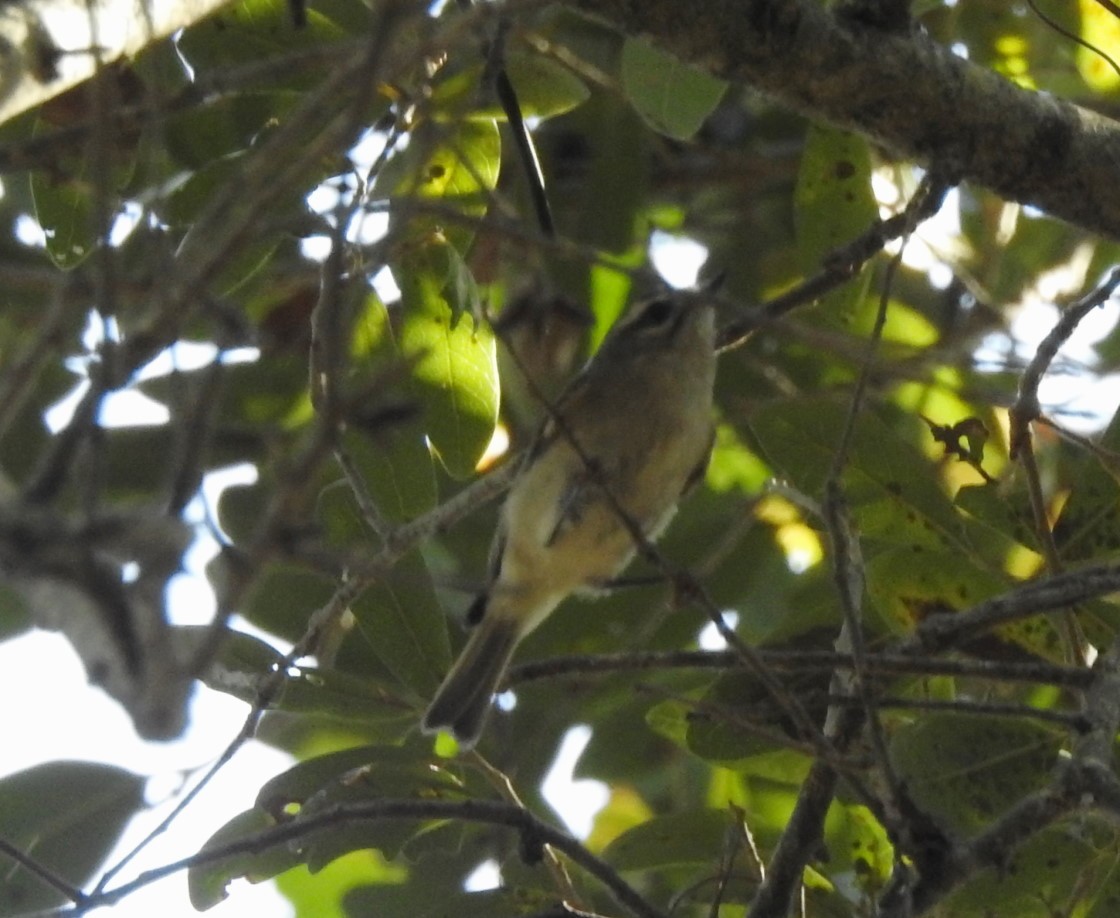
[37, 63]
[904, 91]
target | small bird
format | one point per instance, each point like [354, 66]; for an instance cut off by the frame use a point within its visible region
[631, 432]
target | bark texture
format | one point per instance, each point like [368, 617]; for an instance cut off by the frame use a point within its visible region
[914, 97]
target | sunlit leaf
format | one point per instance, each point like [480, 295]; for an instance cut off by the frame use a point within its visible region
[253, 29]
[455, 358]
[833, 204]
[859, 843]
[388, 445]
[544, 89]
[624, 810]
[1096, 58]
[895, 497]
[326, 892]
[455, 168]
[733, 466]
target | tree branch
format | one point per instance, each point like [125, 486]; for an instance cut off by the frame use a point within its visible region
[534, 833]
[913, 96]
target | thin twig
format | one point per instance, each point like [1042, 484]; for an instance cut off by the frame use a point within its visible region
[886, 664]
[776, 893]
[840, 266]
[1026, 410]
[534, 833]
[1085, 780]
[503, 784]
[44, 873]
[1068, 719]
[267, 690]
[19, 376]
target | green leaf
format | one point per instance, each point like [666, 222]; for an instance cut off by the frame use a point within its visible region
[603, 201]
[1088, 528]
[327, 893]
[392, 454]
[226, 125]
[321, 785]
[261, 29]
[64, 209]
[674, 98]
[66, 195]
[894, 495]
[1063, 870]
[732, 466]
[1006, 510]
[908, 584]
[455, 368]
[284, 597]
[858, 843]
[14, 617]
[377, 771]
[136, 461]
[693, 837]
[966, 770]
[67, 816]
[396, 466]
[243, 662]
[266, 392]
[833, 204]
[719, 730]
[402, 620]
[407, 774]
[544, 89]
[833, 198]
[207, 882]
[507, 902]
[334, 695]
[452, 166]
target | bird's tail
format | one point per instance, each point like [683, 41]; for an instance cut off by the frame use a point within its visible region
[463, 700]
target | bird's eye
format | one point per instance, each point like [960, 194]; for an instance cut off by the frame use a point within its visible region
[657, 313]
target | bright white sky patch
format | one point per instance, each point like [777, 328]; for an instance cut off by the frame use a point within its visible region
[710, 638]
[677, 259]
[385, 286]
[486, 876]
[65, 719]
[576, 802]
[1069, 390]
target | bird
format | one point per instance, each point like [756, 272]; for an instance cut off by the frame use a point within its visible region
[623, 442]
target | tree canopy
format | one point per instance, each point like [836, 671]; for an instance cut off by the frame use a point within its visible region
[358, 248]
